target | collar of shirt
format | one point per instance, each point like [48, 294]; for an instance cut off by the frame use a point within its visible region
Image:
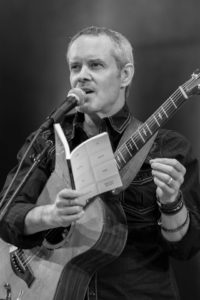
[118, 122]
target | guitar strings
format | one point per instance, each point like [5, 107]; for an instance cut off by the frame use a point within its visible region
[168, 106]
[28, 258]
[137, 137]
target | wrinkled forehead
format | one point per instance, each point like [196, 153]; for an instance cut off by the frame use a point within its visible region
[90, 46]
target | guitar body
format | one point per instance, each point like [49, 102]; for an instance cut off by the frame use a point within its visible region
[66, 269]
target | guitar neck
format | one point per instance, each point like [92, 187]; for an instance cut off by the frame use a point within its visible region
[141, 136]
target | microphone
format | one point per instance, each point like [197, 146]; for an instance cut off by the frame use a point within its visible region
[75, 97]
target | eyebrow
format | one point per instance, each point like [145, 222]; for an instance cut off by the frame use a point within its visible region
[97, 60]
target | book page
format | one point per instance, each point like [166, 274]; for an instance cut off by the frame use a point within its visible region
[94, 167]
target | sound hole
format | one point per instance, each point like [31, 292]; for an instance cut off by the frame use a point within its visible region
[56, 235]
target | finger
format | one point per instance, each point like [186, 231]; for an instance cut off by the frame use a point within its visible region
[69, 194]
[168, 180]
[163, 186]
[83, 200]
[169, 174]
[62, 202]
[67, 220]
[70, 210]
[170, 162]
[169, 170]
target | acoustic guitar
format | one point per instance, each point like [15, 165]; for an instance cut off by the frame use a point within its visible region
[67, 259]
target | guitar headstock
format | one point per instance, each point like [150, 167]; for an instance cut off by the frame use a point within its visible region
[192, 86]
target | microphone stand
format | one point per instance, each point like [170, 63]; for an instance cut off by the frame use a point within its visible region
[36, 162]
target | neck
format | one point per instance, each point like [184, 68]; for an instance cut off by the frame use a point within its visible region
[93, 120]
[113, 110]
[91, 124]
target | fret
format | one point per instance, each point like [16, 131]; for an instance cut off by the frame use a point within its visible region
[139, 141]
[173, 102]
[156, 120]
[143, 130]
[134, 143]
[120, 162]
[130, 144]
[164, 111]
[117, 159]
[183, 92]
[122, 156]
[140, 134]
[152, 124]
[128, 149]
[148, 128]
[160, 116]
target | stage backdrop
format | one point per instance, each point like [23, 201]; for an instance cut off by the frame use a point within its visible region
[34, 74]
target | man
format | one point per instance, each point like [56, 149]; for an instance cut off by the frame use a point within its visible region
[162, 202]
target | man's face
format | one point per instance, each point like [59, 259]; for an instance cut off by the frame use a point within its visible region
[93, 68]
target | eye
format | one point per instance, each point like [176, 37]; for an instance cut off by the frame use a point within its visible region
[75, 67]
[96, 65]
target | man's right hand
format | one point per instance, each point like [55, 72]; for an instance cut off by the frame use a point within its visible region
[68, 207]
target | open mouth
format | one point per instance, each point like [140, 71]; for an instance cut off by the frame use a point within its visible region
[87, 91]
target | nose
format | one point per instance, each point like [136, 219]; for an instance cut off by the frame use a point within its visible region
[84, 74]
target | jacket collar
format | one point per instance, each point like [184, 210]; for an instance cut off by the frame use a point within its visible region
[118, 121]
[121, 119]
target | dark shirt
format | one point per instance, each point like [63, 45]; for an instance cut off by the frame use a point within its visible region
[143, 269]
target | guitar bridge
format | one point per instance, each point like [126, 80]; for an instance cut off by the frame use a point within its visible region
[20, 266]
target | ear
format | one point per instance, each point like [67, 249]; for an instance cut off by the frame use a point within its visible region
[127, 73]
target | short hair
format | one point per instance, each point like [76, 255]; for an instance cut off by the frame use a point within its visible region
[122, 50]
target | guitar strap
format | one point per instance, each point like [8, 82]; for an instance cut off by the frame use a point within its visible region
[127, 175]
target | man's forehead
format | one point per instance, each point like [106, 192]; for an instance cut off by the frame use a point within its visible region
[91, 46]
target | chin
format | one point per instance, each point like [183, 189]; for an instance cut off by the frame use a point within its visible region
[85, 109]
[88, 108]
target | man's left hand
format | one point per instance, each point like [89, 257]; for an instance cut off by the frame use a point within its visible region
[168, 176]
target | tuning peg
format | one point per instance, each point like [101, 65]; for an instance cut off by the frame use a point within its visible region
[197, 91]
[195, 74]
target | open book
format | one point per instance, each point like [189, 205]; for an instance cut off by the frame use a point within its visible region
[92, 163]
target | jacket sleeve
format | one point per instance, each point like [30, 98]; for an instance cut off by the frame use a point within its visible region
[12, 224]
[175, 145]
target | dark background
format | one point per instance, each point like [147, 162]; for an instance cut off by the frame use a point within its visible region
[34, 74]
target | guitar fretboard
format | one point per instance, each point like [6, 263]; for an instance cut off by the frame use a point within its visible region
[150, 127]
